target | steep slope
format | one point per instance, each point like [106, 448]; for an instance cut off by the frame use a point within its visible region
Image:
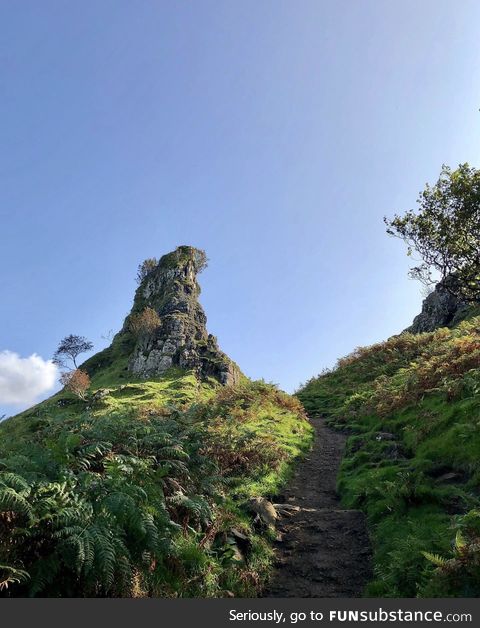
[411, 406]
[142, 489]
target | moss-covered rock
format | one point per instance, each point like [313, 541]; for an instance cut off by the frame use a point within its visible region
[181, 339]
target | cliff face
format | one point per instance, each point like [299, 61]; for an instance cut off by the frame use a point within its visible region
[181, 338]
[439, 309]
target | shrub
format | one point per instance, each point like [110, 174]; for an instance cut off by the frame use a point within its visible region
[145, 268]
[242, 453]
[76, 382]
[145, 322]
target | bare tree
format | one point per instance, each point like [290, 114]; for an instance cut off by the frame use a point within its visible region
[69, 349]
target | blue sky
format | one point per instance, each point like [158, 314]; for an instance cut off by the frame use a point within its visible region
[275, 135]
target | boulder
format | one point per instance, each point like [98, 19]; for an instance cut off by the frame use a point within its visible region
[439, 309]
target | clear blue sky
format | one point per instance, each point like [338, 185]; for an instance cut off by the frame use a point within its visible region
[273, 134]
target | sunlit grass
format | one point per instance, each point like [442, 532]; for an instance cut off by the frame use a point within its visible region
[412, 407]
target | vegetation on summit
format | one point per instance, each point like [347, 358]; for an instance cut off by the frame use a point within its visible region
[145, 268]
[445, 232]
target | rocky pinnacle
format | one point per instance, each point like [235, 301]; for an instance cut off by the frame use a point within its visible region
[181, 338]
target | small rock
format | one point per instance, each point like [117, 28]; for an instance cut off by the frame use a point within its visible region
[238, 535]
[287, 510]
[385, 436]
[449, 477]
[64, 402]
[264, 509]
[241, 540]
[101, 394]
[356, 445]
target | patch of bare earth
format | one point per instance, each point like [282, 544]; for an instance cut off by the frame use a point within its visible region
[323, 550]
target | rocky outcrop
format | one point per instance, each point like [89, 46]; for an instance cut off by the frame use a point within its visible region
[439, 309]
[181, 338]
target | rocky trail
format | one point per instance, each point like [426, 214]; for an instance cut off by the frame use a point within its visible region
[322, 550]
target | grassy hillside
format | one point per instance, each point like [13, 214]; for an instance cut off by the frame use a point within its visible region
[412, 408]
[142, 489]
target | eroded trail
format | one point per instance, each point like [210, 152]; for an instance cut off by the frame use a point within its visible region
[323, 550]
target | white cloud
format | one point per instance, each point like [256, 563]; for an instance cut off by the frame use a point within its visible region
[23, 380]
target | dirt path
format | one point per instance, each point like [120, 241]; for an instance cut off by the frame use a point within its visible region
[324, 551]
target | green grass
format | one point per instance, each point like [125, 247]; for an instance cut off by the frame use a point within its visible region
[136, 493]
[412, 408]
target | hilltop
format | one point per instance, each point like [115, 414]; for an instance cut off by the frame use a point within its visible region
[144, 487]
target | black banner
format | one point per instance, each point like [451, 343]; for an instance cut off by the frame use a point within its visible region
[239, 613]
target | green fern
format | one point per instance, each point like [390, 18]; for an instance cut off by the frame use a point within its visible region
[11, 575]
[435, 559]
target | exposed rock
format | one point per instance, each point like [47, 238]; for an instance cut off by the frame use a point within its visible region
[239, 536]
[451, 477]
[181, 339]
[385, 436]
[264, 510]
[439, 309]
[241, 544]
[101, 394]
[286, 510]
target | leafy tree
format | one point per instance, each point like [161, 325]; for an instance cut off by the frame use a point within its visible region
[146, 267]
[445, 232]
[77, 382]
[145, 322]
[69, 349]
